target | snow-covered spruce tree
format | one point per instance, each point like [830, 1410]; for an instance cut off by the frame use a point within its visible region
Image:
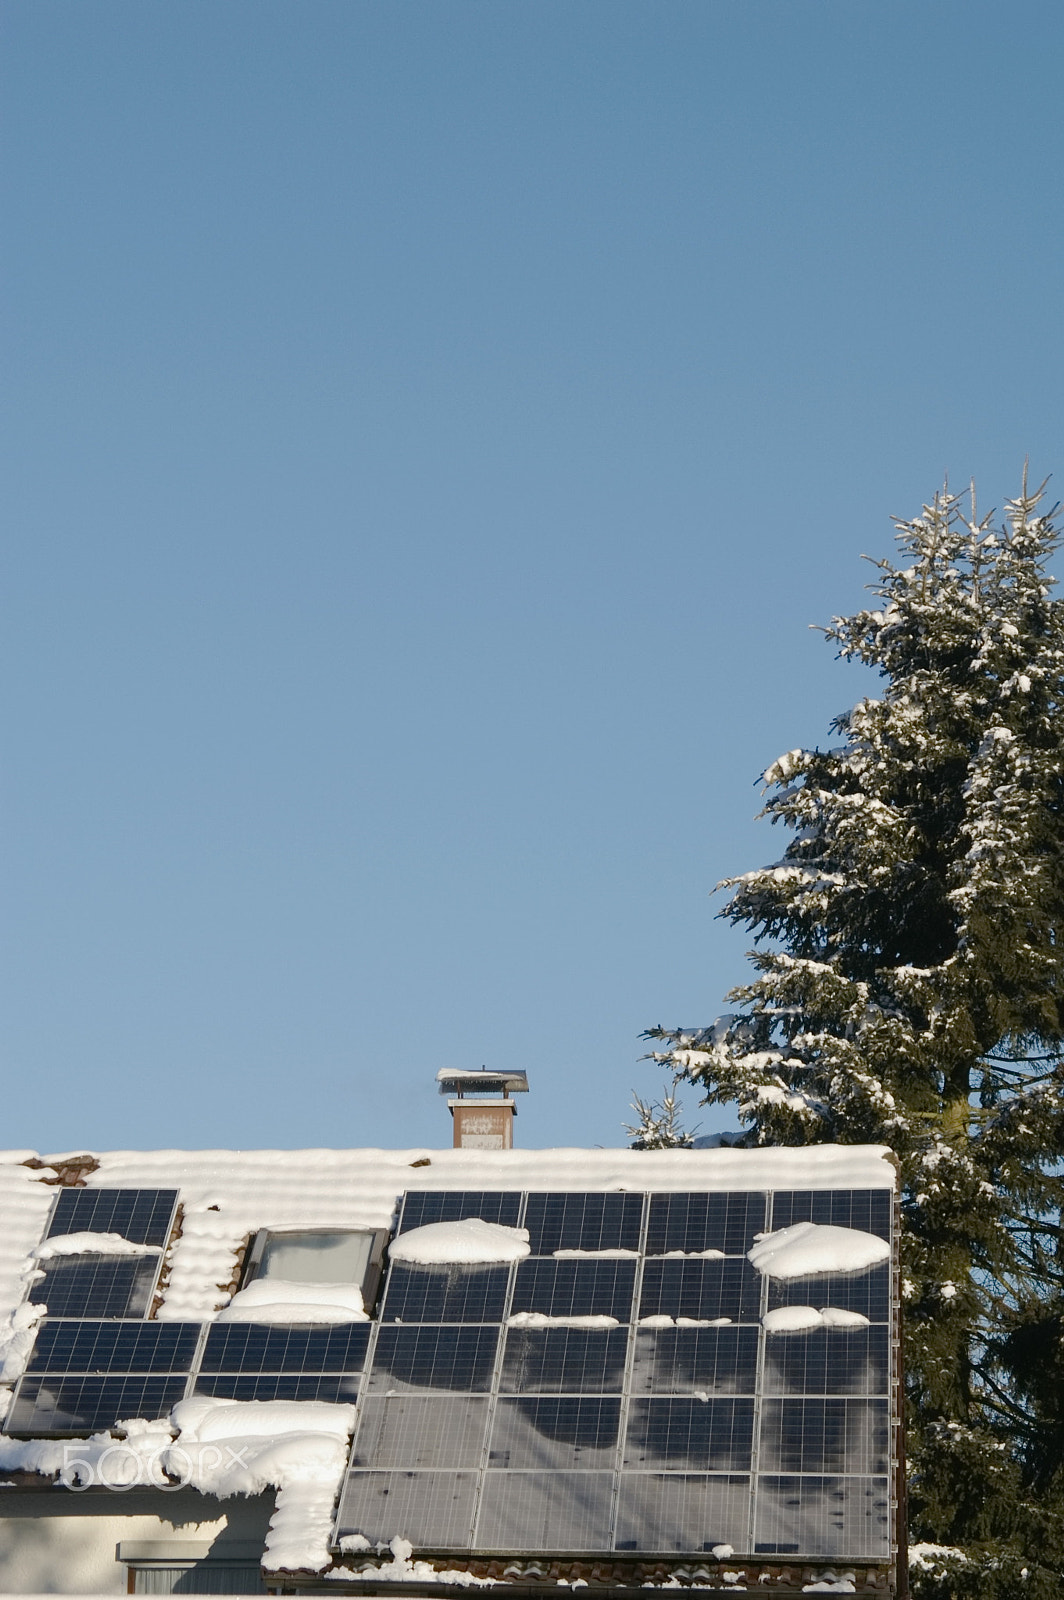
[909, 991]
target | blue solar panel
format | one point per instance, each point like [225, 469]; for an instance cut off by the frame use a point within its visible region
[260, 1347]
[575, 1288]
[143, 1216]
[92, 1285]
[450, 1205]
[87, 1403]
[583, 1222]
[93, 1346]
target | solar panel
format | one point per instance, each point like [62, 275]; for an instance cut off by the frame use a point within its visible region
[450, 1205]
[693, 1222]
[421, 1431]
[865, 1292]
[92, 1285]
[77, 1346]
[831, 1516]
[870, 1210]
[575, 1288]
[86, 1403]
[707, 1435]
[444, 1294]
[701, 1290]
[143, 1216]
[554, 1432]
[434, 1510]
[583, 1222]
[412, 1358]
[250, 1347]
[682, 1512]
[479, 1432]
[829, 1361]
[696, 1360]
[540, 1511]
[564, 1360]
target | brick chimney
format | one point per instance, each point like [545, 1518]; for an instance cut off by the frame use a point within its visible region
[482, 1106]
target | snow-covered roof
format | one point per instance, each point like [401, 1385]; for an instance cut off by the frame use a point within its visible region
[225, 1197]
[226, 1194]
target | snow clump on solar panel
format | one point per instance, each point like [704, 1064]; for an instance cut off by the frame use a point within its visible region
[808, 1249]
[100, 1244]
[800, 1319]
[470, 1240]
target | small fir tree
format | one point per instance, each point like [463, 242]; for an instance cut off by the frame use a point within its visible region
[909, 991]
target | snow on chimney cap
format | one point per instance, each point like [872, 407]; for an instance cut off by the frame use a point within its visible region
[482, 1082]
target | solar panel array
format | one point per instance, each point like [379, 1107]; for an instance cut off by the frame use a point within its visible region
[489, 1420]
[479, 1430]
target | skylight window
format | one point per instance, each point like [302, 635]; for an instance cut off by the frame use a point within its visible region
[322, 1256]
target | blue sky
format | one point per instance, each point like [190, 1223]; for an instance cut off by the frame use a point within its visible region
[432, 429]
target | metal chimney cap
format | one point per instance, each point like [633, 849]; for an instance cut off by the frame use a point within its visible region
[482, 1082]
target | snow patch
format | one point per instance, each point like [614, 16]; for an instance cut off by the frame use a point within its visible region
[539, 1319]
[694, 1255]
[684, 1322]
[100, 1244]
[276, 1300]
[810, 1249]
[470, 1240]
[596, 1255]
[800, 1319]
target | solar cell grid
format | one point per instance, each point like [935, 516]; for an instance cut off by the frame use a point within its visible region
[90, 1285]
[830, 1516]
[143, 1216]
[575, 1288]
[538, 1511]
[451, 1205]
[434, 1510]
[555, 1432]
[256, 1347]
[445, 1294]
[675, 1512]
[695, 1222]
[87, 1403]
[583, 1222]
[412, 1358]
[564, 1360]
[869, 1210]
[76, 1346]
[711, 1435]
[420, 1432]
[701, 1289]
[689, 1360]
[865, 1292]
[825, 1436]
[829, 1361]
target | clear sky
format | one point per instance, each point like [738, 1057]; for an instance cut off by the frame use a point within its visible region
[431, 429]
